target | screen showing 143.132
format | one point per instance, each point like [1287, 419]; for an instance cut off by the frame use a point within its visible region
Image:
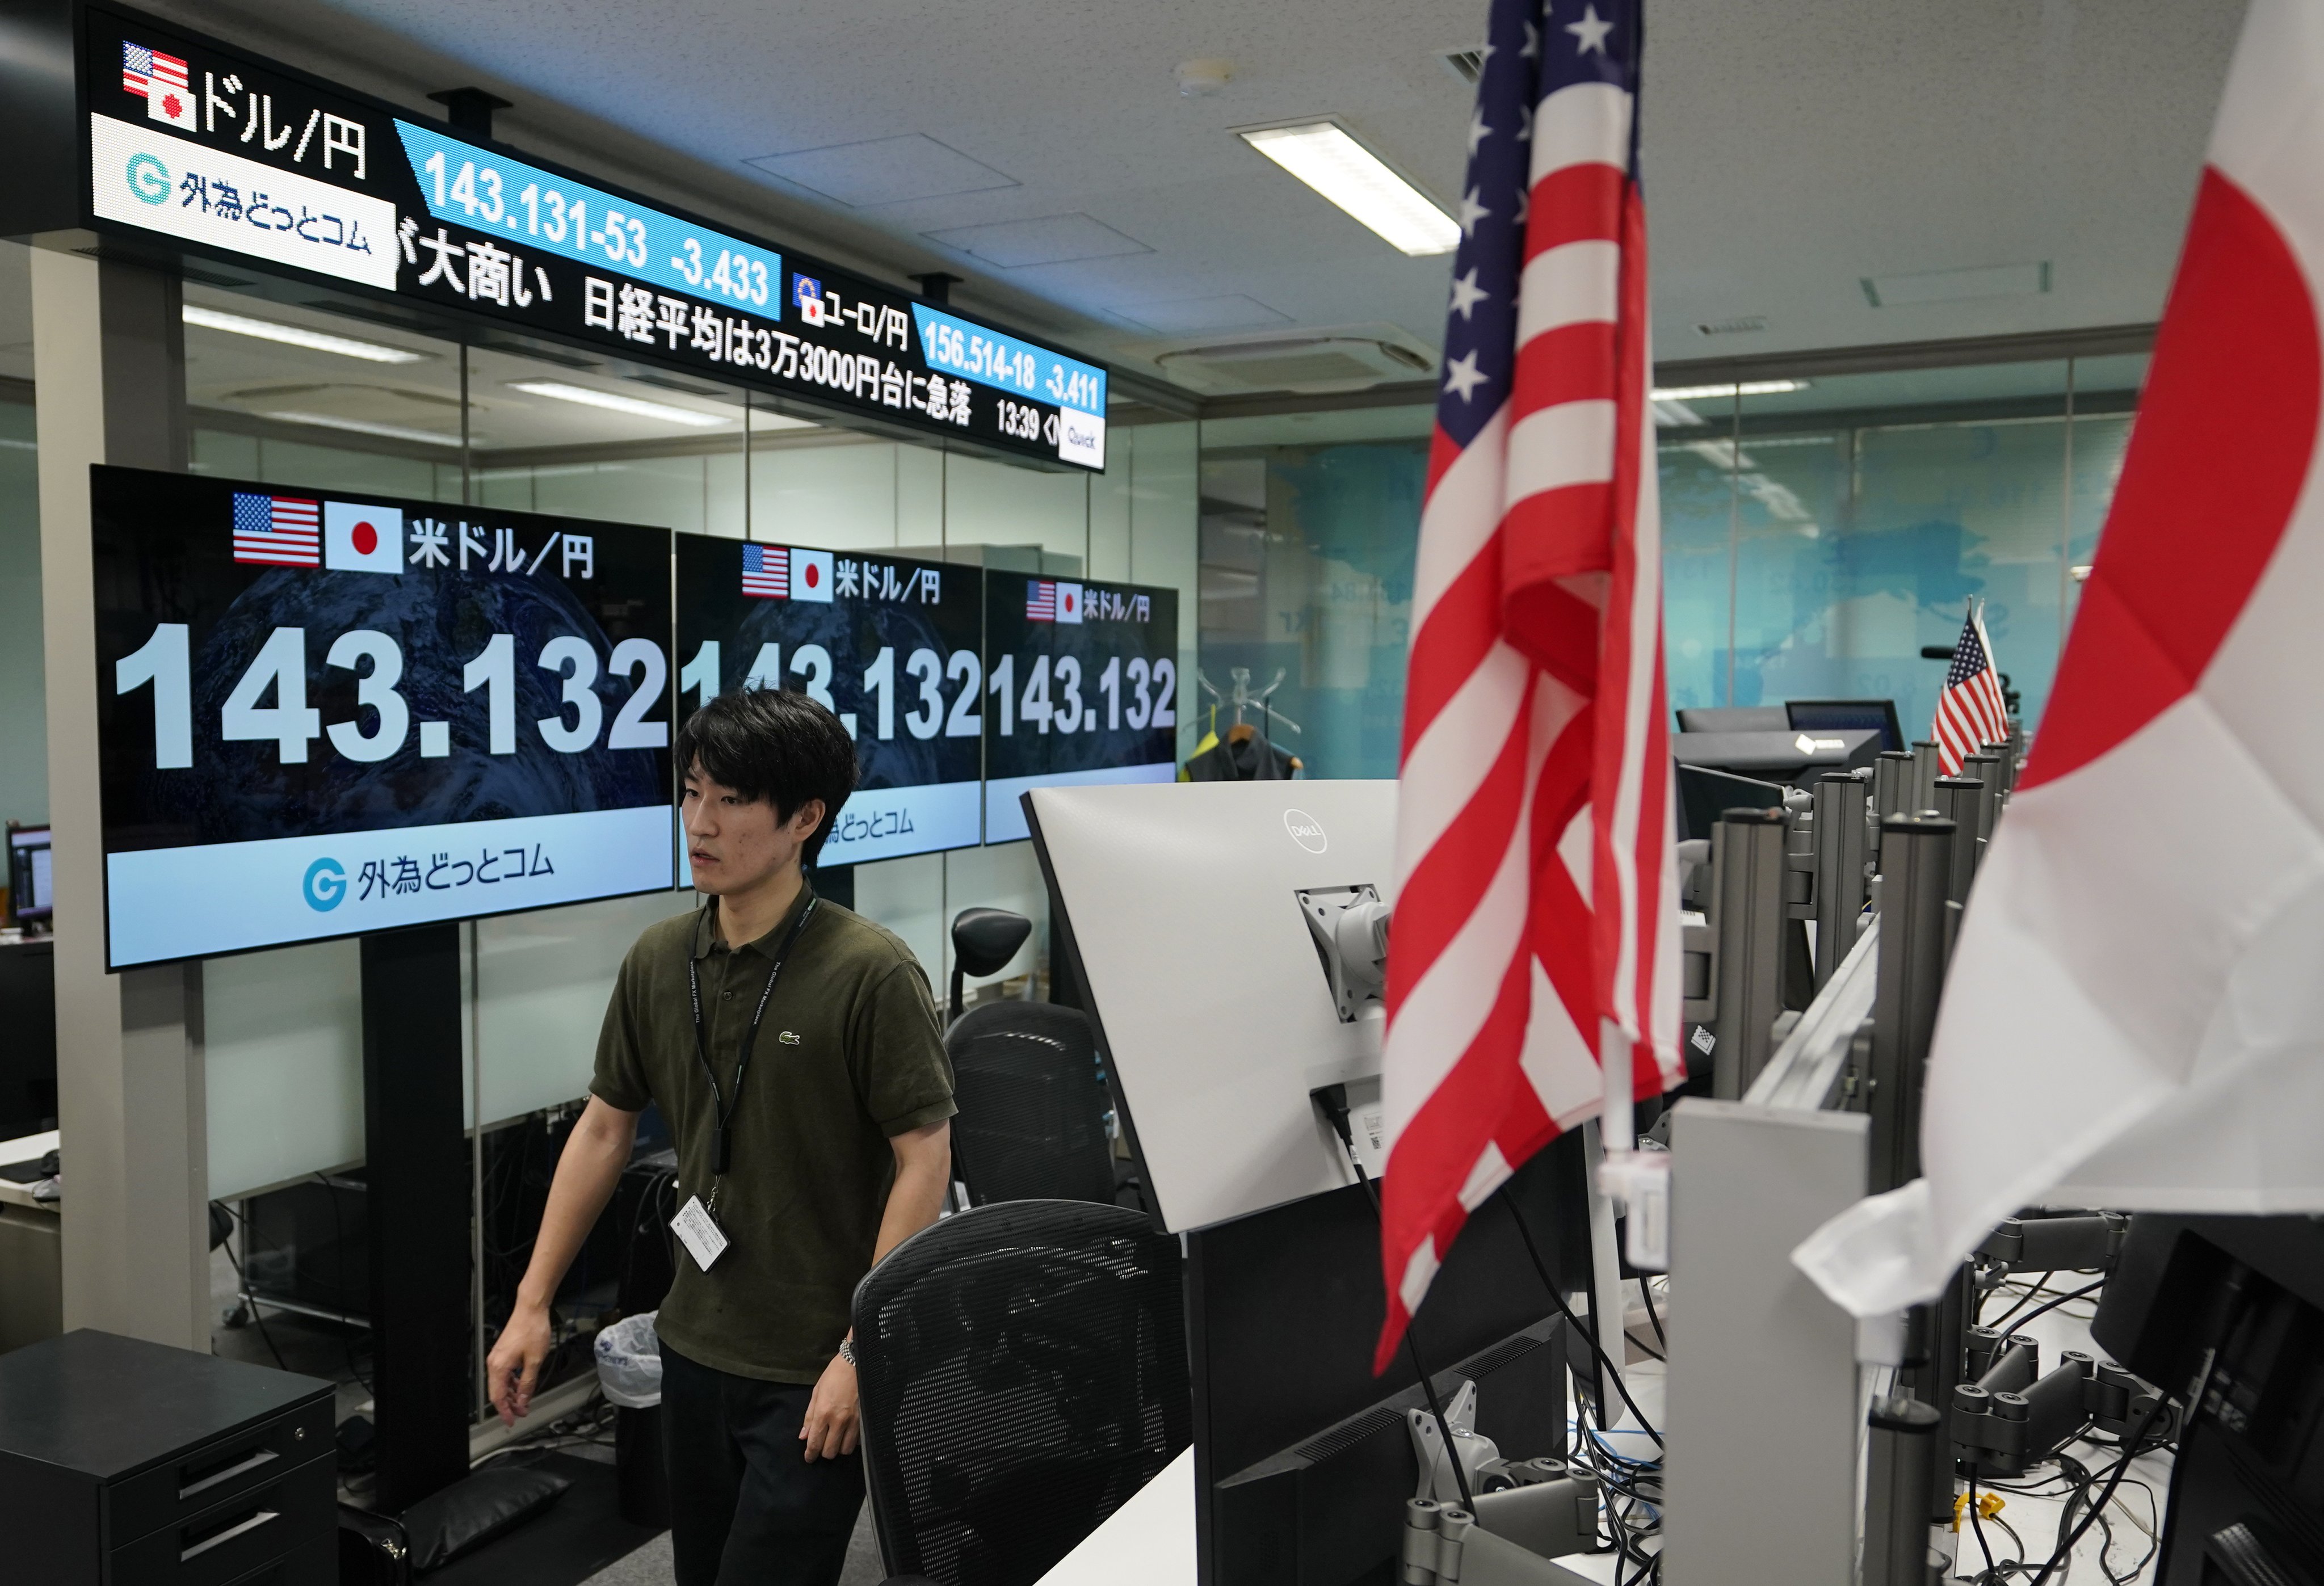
[322, 714]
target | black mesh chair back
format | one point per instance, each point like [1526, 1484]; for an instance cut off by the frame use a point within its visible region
[1032, 1108]
[1023, 1371]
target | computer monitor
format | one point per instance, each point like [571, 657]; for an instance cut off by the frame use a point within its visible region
[28, 1037]
[1789, 755]
[2229, 1312]
[1732, 718]
[1179, 905]
[1836, 715]
[32, 893]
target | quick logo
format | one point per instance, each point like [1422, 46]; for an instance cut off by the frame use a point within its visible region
[149, 178]
[326, 885]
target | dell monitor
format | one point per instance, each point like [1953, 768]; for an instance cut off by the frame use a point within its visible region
[1816, 716]
[32, 893]
[1184, 910]
[1182, 907]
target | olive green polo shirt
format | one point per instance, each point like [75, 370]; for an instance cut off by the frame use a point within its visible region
[849, 1053]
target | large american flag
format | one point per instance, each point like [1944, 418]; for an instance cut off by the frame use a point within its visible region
[1534, 856]
[1970, 712]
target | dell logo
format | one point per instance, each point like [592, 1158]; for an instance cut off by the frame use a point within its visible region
[1306, 830]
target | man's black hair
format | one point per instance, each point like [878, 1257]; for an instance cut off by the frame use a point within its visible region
[773, 744]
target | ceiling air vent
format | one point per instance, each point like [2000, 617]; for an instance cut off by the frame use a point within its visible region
[1468, 65]
[1741, 325]
[1311, 365]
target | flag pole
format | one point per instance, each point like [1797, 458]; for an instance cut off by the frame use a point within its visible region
[1617, 1122]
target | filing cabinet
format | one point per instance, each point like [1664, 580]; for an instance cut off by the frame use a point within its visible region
[128, 1463]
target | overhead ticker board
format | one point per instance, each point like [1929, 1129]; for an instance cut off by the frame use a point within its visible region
[224, 154]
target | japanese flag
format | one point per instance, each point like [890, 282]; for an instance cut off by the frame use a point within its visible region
[168, 101]
[810, 575]
[361, 539]
[1069, 603]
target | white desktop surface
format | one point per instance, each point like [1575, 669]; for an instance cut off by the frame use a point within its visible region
[1148, 1540]
[29, 1147]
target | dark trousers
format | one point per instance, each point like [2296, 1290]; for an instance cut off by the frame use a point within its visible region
[746, 1508]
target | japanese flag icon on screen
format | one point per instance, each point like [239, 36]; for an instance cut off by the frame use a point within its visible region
[361, 539]
[810, 575]
[1069, 603]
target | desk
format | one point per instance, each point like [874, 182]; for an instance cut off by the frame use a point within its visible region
[30, 1148]
[1148, 1540]
[32, 1259]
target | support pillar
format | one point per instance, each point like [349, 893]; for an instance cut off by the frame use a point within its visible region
[416, 1156]
[108, 357]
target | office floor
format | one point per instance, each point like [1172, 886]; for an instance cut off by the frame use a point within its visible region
[649, 1565]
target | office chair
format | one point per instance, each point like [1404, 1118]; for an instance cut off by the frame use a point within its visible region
[1022, 1371]
[1032, 1111]
[984, 941]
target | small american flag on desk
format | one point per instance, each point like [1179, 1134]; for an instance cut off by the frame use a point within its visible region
[279, 530]
[1970, 712]
[1534, 921]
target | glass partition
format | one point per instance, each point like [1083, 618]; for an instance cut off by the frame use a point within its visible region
[1818, 533]
[1309, 522]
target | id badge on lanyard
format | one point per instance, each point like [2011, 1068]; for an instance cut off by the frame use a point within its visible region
[695, 1225]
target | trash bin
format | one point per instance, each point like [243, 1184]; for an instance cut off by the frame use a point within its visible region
[629, 1371]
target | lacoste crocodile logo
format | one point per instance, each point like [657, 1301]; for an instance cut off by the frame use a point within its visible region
[787, 1039]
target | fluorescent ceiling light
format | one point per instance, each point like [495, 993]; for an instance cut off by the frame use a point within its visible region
[1323, 155]
[366, 427]
[613, 402]
[1693, 394]
[299, 335]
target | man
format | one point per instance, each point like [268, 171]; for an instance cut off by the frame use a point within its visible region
[794, 1047]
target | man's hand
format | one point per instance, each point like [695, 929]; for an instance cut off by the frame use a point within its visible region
[829, 1430]
[514, 1366]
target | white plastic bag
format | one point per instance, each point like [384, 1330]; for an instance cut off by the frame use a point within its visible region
[628, 1362]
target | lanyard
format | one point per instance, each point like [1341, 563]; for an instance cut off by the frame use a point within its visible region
[722, 1106]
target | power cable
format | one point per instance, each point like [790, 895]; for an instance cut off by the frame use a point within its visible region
[1588, 1332]
[1646, 1293]
[1334, 1102]
[1976, 1525]
[249, 1303]
[2088, 1288]
[2114, 1480]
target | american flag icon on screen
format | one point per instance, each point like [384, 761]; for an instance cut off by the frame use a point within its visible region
[1040, 601]
[279, 530]
[143, 70]
[767, 571]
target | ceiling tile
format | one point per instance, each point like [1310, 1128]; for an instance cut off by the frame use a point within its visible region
[1048, 239]
[884, 170]
[1183, 316]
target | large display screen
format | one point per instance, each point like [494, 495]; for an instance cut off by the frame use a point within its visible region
[231, 154]
[322, 713]
[1080, 685]
[889, 644]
